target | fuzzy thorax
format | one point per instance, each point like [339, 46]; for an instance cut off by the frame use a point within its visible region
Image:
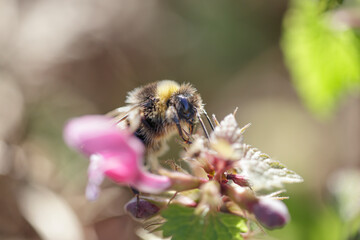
[165, 89]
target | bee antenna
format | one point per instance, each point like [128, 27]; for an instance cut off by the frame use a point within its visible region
[209, 120]
[203, 126]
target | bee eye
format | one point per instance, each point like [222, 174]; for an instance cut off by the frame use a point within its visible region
[185, 105]
[185, 109]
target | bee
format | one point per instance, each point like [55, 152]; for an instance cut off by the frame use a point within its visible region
[157, 111]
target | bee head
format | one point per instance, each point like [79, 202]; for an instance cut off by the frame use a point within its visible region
[185, 108]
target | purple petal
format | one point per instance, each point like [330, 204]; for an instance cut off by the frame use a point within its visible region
[271, 213]
[141, 209]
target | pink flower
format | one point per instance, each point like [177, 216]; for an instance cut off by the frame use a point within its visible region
[115, 153]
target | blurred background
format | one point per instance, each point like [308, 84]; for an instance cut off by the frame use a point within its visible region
[292, 68]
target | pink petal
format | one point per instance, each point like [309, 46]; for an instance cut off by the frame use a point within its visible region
[96, 177]
[123, 169]
[115, 153]
[151, 183]
[94, 133]
[92, 191]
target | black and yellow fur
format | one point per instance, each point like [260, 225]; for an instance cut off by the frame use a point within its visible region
[158, 110]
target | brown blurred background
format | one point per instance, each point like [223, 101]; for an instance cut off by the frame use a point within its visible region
[61, 59]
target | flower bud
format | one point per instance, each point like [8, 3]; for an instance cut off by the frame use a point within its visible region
[164, 201]
[180, 181]
[239, 180]
[243, 197]
[271, 213]
[225, 150]
[141, 208]
[210, 198]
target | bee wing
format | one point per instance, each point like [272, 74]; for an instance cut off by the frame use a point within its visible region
[126, 117]
[120, 112]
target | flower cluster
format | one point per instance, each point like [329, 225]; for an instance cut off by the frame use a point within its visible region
[241, 173]
[224, 174]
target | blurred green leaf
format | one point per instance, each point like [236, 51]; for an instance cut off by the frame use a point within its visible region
[329, 4]
[323, 58]
[354, 229]
[347, 199]
[183, 224]
[311, 220]
[328, 226]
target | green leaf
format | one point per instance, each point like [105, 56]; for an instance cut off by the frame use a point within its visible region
[329, 4]
[323, 58]
[183, 224]
[328, 226]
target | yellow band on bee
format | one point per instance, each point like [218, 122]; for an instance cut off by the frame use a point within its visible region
[166, 88]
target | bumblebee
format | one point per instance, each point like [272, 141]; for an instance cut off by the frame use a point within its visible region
[160, 109]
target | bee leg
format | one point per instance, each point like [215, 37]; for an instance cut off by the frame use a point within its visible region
[134, 190]
[191, 129]
[137, 215]
[189, 132]
[176, 120]
[187, 141]
[137, 194]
